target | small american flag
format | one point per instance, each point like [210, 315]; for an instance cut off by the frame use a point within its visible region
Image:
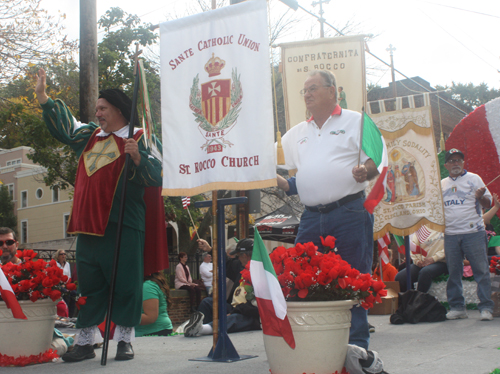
[186, 201]
[422, 234]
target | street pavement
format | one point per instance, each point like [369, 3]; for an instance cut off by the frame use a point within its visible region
[467, 346]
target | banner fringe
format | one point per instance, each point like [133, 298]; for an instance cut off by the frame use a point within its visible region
[214, 186]
[408, 231]
[409, 126]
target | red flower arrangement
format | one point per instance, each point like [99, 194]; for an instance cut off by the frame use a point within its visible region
[308, 275]
[495, 265]
[35, 279]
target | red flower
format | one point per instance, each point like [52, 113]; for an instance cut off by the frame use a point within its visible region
[71, 286]
[328, 242]
[82, 300]
[55, 295]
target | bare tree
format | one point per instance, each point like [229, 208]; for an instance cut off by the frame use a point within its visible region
[29, 36]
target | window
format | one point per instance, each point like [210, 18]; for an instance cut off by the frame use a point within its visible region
[11, 190]
[24, 199]
[24, 231]
[39, 193]
[65, 228]
[55, 194]
[14, 162]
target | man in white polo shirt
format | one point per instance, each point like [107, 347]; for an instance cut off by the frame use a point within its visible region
[464, 195]
[330, 183]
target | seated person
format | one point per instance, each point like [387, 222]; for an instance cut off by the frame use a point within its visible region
[493, 241]
[206, 271]
[183, 281]
[233, 267]
[428, 262]
[243, 314]
[155, 301]
[388, 270]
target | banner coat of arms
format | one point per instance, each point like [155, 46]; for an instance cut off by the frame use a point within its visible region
[217, 120]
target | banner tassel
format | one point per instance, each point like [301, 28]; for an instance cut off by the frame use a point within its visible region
[279, 149]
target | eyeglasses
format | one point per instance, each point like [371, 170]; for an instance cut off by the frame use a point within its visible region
[8, 242]
[62, 254]
[455, 161]
[311, 90]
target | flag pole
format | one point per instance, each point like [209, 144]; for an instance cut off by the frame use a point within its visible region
[361, 134]
[120, 216]
[194, 227]
[498, 176]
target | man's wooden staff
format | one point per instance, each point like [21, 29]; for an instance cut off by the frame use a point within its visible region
[120, 217]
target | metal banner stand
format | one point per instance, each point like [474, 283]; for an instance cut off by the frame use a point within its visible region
[224, 350]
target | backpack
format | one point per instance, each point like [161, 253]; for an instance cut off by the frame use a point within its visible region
[416, 306]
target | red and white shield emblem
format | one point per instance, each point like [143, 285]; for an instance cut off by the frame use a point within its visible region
[216, 100]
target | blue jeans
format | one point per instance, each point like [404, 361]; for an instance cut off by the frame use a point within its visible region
[473, 247]
[352, 226]
[423, 276]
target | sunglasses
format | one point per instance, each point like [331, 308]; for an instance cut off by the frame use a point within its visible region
[8, 242]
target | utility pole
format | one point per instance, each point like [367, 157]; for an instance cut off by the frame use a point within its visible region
[394, 89]
[89, 83]
[320, 18]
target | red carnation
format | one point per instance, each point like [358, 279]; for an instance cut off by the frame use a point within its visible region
[328, 242]
[55, 295]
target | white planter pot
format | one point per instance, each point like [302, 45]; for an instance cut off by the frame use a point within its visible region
[321, 332]
[20, 337]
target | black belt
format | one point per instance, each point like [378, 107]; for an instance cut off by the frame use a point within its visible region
[336, 204]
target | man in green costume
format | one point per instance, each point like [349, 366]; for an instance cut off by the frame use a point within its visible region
[101, 151]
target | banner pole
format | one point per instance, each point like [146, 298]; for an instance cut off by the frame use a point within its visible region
[215, 260]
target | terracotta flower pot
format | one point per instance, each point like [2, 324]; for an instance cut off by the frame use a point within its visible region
[321, 331]
[33, 336]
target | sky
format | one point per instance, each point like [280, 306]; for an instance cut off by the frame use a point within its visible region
[442, 41]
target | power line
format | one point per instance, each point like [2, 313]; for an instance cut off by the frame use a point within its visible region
[463, 10]
[463, 45]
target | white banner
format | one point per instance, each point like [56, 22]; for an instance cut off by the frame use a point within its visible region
[343, 56]
[217, 119]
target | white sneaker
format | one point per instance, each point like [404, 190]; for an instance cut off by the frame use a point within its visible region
[195, 324]
[457, 314]
[486, 315]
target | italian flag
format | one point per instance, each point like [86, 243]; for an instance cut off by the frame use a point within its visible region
[400, 241]
[270, 299]
[9, 297]
[373, 145]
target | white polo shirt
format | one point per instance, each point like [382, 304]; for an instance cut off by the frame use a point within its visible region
[324, 157]
[463, 213]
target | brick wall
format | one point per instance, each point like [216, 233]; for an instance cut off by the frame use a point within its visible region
[180, 311]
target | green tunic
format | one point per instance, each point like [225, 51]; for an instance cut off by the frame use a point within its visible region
[152, 291]
[95, 253]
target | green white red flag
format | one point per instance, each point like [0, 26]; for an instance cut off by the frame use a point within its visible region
[373, 144]
[270, 299]
[9, 297]
[400, 241]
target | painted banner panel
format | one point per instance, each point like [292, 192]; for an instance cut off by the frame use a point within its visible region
[413, 195]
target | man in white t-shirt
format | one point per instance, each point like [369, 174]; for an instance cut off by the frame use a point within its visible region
[464, 196]
[331, 177]
[206, 271]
